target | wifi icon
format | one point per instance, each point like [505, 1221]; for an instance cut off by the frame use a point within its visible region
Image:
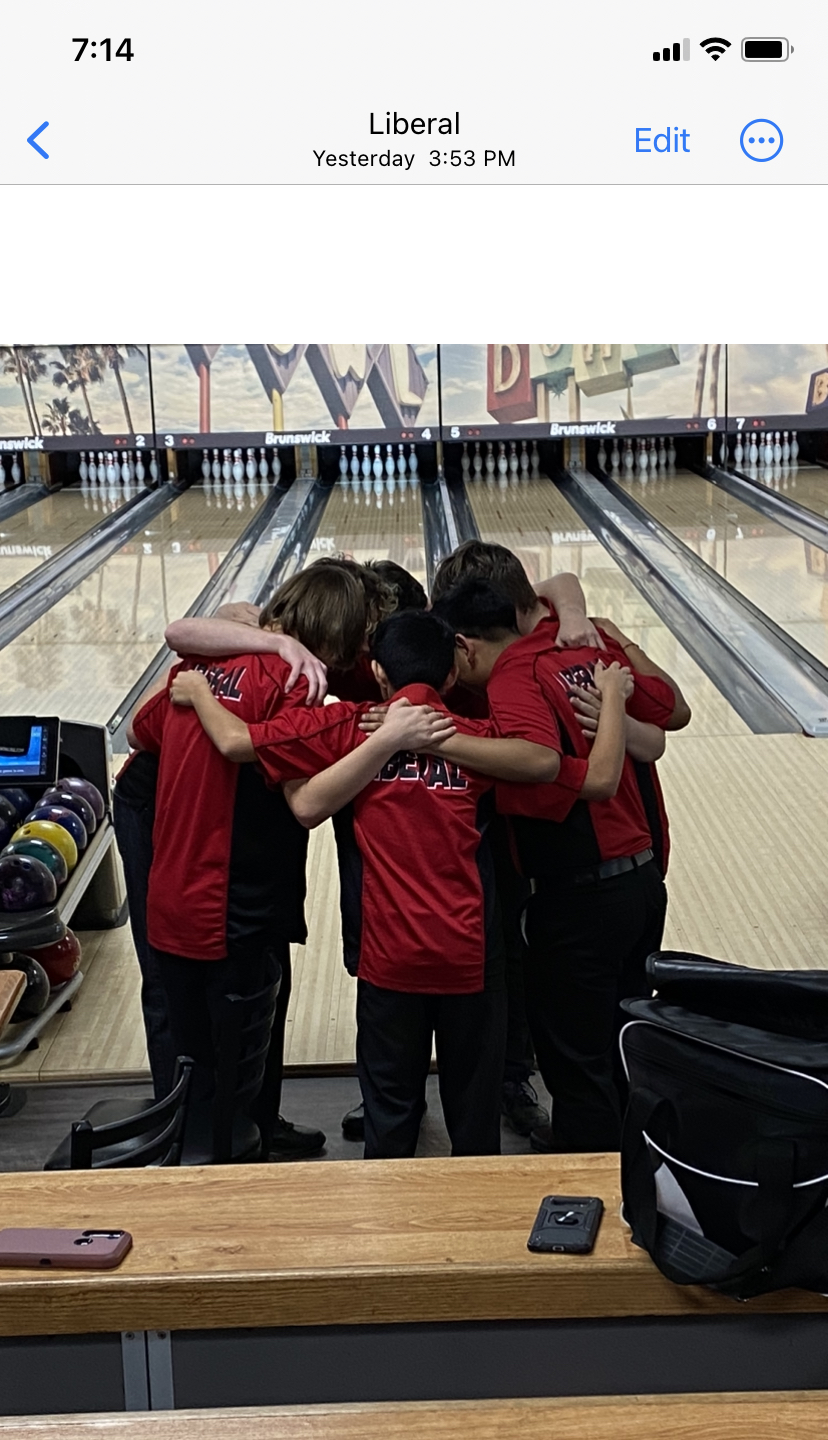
[715, 47]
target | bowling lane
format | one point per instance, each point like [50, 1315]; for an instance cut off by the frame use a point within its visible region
[81, 657]
[779, 572]
[42, 530]
[533, 519]
[374, 520]
[807, 484]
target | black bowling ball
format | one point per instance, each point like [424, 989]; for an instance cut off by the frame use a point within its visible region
[35, 997]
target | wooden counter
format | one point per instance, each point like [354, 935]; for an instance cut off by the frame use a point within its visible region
[346, 1244]
[796, 1416]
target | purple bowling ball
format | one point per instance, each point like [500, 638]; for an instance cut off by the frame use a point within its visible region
[25, 883]
[90, 792]
[21, 801]
[71, 801]
[61, 816]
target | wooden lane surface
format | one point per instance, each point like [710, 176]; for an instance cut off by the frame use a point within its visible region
[794, 1415]
[353, 1243]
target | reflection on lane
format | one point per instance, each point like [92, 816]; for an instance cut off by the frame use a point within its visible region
[532, 518]
[374, 519]
[807, 485]
[42, 530]
[780, 573]
[81, 657]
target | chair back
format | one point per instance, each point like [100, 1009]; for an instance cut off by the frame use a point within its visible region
[160, 1129]
[243, 1043]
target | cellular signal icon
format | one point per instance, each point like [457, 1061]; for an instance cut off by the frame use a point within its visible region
[715, 47]
[676, 51]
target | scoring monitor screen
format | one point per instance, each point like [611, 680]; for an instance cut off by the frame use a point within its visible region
[28, 749]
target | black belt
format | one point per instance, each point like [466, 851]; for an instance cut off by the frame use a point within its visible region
[605, 871]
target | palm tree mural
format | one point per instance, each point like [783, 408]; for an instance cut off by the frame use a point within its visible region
[115, 356]
[56, 416]
[33, 368]
[80, 367]
[10, 356]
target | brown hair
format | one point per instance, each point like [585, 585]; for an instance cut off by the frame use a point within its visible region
[480, 560]
[380, 599]
[325, 609]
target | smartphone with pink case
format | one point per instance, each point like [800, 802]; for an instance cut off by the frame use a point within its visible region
[35, 1249]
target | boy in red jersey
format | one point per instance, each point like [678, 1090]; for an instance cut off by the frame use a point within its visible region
[598, 901]
[430, 963]
[220, 913]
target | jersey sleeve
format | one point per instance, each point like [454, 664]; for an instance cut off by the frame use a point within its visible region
[552, 801]
[520, 708]
[300, 742]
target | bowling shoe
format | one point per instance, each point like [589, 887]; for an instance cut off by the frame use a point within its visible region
[353, 1123]
[294, 1142]
[520, 1107]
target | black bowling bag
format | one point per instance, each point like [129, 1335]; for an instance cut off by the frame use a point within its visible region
[724, 1157]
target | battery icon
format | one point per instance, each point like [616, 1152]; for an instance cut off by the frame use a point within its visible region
[766, 49]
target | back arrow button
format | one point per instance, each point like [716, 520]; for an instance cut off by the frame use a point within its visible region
[32, 139]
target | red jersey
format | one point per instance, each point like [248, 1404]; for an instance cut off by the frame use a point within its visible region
[358, 683]
[228, 870]
[528, 694]
[418, 828]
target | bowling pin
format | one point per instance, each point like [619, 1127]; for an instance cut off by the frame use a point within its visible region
[2, 473]
[642, 456]
[83, 469]
[513, 459]
[524, 458]
[723, 455]
[662, 454]
[139, 468]
[110, 468]
[93, 469]
[413, 462]
[615, 458]
[216, 467]
[125, 469]
[739, 452]
[753, 452]
[401, 460]
[769, 449]
[794, 448]
[653, 455]
[238, 466]
[786, 448]
[354, 460]
[502, 462]
[275, 464]
[535, 459]
[15, 469]
[490, 460]
[602, 455]
[465, 462]
[377, 466]
[250, 467]
[226, 468]
[343, 461]
[671, 454]
[389, 461]
[629, 459]
[478, 459]
[153, 467]
[205, 464]
[366, 461]
[777, 448]
[264, 469]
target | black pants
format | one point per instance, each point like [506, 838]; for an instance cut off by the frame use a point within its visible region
[587, 949]
[394, 1038]
[194, 990]
[133, 813]
[512, 895]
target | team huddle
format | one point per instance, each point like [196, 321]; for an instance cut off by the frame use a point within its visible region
[489, 763]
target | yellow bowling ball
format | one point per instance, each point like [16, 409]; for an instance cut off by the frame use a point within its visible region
[55, 834]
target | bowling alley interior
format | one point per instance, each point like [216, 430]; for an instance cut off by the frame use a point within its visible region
[684, 489]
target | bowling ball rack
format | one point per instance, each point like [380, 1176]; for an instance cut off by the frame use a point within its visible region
[93, 897]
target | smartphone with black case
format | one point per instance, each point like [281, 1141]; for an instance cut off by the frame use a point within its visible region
[566, 1225]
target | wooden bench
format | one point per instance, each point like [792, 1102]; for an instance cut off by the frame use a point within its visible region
[796, 1416]
[368, 1281]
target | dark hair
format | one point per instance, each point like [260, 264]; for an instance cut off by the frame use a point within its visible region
[477, 609]
[414, 647]
[481, 560]
[409, 592]
[379, 596]
[325, 610]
